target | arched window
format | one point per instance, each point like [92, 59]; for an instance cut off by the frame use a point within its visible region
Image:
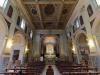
[77, 23]
[18, 21]
[10, 11]
[90, 11]
[23, 24]
[81, 20]
[31, 34]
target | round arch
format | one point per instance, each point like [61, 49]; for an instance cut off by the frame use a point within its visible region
[56, 45]
[18, 48]
[19, 38]
[78, 33]
[82, 46]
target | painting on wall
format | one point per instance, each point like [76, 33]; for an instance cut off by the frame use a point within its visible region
[84, 51]
[15, 55]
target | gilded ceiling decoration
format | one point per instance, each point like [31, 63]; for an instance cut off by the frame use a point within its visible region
[49, 14]
[49, 9]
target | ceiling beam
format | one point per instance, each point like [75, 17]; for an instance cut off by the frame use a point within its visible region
[59, 14]
[49, 2]
[39, 13]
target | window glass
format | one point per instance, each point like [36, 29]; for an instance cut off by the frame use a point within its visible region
[98, 2]
[68, 34]
[90, 11]
[31, 34]
[23, 24]
[10, 11]
[77, 23]
[3, 3]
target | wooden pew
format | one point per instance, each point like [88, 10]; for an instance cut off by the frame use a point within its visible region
[80, 73]
[25, 70]
[16, 73]
[64, 67]
[29, 69]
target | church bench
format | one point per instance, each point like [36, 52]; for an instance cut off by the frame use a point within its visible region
[81, 73]
[16, 73]
[77, 69]
[24, 70]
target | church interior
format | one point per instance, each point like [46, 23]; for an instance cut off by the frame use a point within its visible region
[49, 37]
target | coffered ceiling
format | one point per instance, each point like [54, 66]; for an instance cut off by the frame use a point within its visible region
[49, 14]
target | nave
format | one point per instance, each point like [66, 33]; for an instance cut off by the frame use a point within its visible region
[60, 68]
[42, 37]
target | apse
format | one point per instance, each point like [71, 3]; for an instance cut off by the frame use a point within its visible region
[49, 42]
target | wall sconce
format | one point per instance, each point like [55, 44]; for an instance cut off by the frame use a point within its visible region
[73, 49]
[9, 43]
[91, 43]
[91, 46]
[26, 49]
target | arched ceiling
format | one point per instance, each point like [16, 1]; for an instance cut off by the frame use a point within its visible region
[49, 14]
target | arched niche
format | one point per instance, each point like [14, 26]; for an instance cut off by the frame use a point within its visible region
[56, 45]
[18, 48]
[82, 47]
[82, 39]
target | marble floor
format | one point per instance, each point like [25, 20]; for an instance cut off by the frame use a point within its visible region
[56, 72]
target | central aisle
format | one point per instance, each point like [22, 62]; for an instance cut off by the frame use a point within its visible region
[56, 72]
